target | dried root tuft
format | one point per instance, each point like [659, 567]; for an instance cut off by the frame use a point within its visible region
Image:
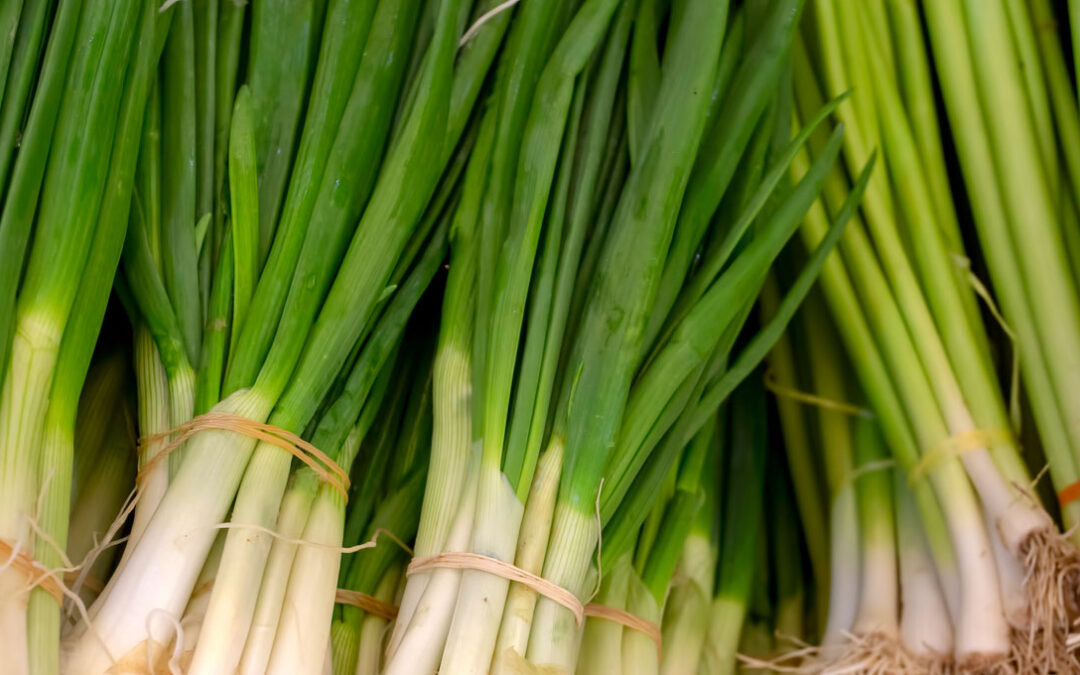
[870, 654]
[880, 654]
[1050, 641]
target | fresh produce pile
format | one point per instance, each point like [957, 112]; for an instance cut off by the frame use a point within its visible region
[539, 336]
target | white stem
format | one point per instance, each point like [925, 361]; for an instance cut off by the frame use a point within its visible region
[925, 626]
[421, 642]
[470, 642]
[601, 647]
[344, 646]
[639, 653]
[373, 628]
[181, 407]
[13, 634]
[1011, 577]
[532, 546]
[844, 566]
[878, 603]
[23, 406]
[192, 622]
[153, 419]
[232, 605]
[295, 511]
[1015, 516]
[684, 628]
[555, 635]
[686, 613]
[159, 575]
[981, 629]
[328, 659]
[304, 629]
[451, 457]
[727, 615]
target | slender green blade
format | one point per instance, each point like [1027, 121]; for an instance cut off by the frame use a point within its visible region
[180, 258]
[21, 199]
[244, 194]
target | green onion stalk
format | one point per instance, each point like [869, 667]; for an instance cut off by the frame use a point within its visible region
[305, 620]
[370, 651]
[1065, 115]
[192, 620]
[26, 26]
[825, 499]
[641, 577]
[254, 141]
[98, 63]
[508, 456]
[101, 397]
[686, 611]
[449, 463]
[860, 344]
[707, 394]
[35, 135]
[875, 627]
[177, 329]
[103, 481]
[314, 299]
[792, 613]
[577, 204]
[296, 596]
[169, 195]
[821, 511]
[742, 473]
[355, 647]
[905, 317]
[926, 631]
[387, 505]
[601, 642]
[9, 22]
[756, 640]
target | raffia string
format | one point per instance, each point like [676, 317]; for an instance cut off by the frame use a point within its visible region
[1069, 494]
[956, 445]
[631, 621]
[461, 560]
[91, 584]
[987, 297]
[869, 467]
[318, 461]
[785, 391]
[35, 572]
[368, 603]
[487, 16]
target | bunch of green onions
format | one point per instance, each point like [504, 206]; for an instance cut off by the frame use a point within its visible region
[879, 592]
[581, 339]
[904, 301]
[301, 261]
